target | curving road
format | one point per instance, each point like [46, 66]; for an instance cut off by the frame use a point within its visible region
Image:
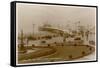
[57, 53]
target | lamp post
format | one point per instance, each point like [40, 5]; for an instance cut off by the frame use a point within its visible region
[33, 29]
[22, 41]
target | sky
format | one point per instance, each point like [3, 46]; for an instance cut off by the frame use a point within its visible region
[63, 16]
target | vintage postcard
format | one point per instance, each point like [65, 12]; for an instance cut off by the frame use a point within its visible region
[54, 33]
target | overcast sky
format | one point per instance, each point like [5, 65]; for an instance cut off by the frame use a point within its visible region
[29, 14]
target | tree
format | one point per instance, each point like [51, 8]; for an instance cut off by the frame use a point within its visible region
[22, 41]
[22, 49]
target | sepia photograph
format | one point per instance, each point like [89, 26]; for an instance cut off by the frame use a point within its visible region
[48, 33]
